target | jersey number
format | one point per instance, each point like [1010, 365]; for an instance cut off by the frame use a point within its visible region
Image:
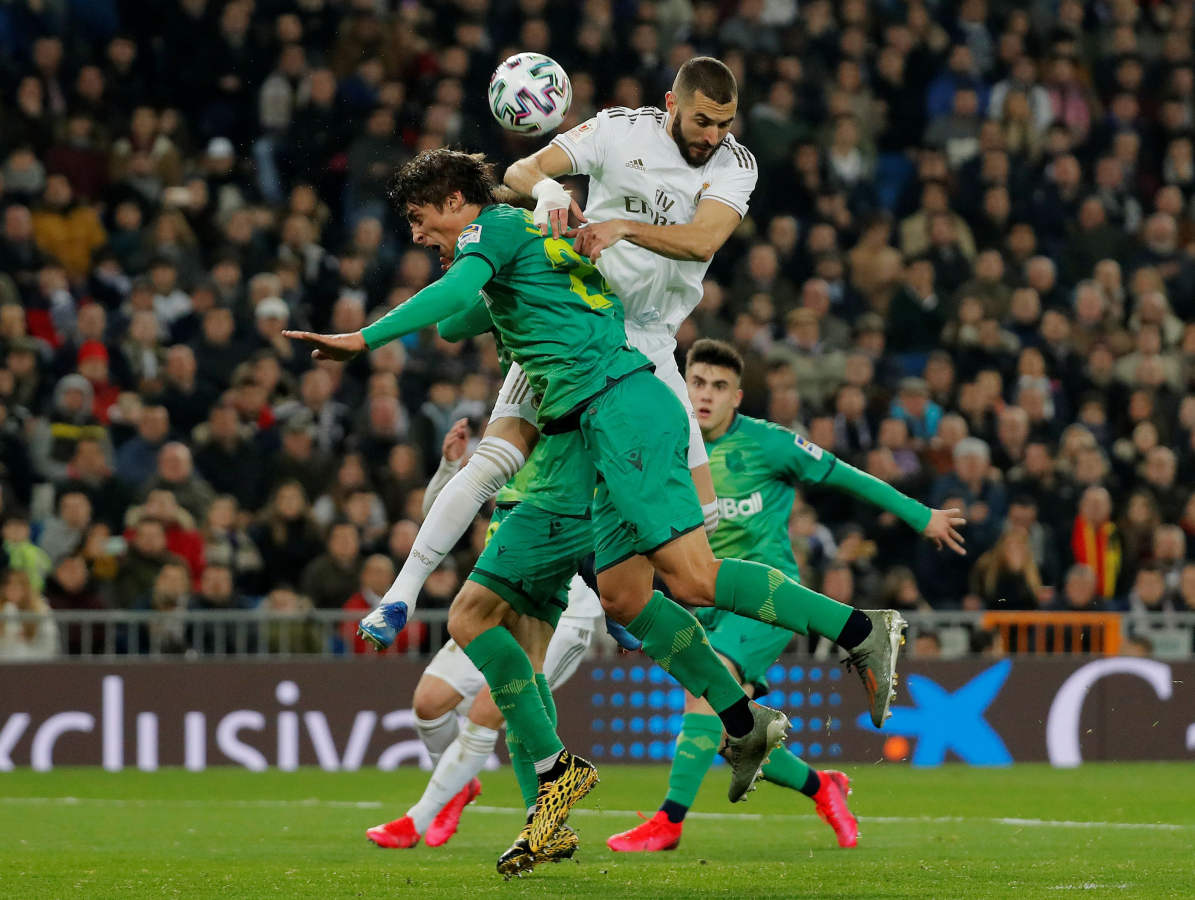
[587, 282]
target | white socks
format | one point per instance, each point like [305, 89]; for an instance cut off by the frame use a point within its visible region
[459, 765]
[491, 466]
[438, 734]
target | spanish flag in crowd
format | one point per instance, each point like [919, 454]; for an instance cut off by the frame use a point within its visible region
[1098, 546]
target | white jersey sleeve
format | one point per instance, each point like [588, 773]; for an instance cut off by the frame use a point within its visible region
[587, 144]
[733, 179]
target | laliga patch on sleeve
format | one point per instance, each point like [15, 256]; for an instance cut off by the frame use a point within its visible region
[470, 235]
[579, 132]
[812, 449]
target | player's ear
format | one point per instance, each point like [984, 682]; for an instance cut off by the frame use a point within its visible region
[738, 398]
[670, 101]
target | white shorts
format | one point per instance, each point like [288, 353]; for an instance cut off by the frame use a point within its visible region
[659, 348]
[515, 400]
[567, 648]
[451, 665]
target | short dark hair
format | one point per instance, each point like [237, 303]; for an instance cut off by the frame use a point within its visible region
[433, 175]
[715, 353]
[710, 76]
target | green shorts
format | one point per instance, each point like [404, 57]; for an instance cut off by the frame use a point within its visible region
[752, 646]
[530, 558]
[637, 436]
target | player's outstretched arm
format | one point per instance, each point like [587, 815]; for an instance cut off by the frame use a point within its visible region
[535, 176]
[467, 323]
[455, 289]
[939, 525]
[696, 241]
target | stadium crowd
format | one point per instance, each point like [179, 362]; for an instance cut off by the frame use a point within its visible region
[969, 268]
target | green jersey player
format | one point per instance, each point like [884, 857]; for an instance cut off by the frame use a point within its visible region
[756, 467]
[628, 432]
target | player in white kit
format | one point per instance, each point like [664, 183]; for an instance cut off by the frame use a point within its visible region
[451, 686]
[666, 189]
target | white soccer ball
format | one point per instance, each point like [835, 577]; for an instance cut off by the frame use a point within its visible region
[530, 93]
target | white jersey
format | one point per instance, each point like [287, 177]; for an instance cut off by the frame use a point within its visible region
[636, 171]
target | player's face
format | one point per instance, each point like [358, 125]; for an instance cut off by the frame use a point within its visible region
[715, 394]
[438, 227]
[699, 125]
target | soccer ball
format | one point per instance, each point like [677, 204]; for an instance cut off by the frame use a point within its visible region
[530, 93]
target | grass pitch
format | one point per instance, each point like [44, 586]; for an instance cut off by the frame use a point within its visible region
[1025, 831]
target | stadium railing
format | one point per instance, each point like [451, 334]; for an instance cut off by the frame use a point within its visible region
[129, 635]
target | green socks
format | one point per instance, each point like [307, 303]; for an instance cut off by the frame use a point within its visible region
[513, 686]
[520, 760]
[760, 592]
[786, 769]
[675, 639]
[696, 746]
[524, 769]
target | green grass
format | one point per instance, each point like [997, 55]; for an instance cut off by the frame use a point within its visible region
[933, 833]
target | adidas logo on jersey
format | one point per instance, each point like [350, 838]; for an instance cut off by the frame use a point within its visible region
[636, 164]
[729, 508]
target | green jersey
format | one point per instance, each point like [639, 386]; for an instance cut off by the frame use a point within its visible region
[755, 466]
[557, 316]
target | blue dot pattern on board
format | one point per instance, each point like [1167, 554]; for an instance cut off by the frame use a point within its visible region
[656, 699]
[776, 674]
[637, 750]
[658, 675]
[836, 749]
[617, 726]
[598, 750]
[657, 750]
[598, 700]
[835, 674]
[815, 750]
[836, 699]
[797, 748]
[617, 751]
[637, 723]
[616, 699]
[637, 699]
[815, 724]
[815, 674]
[815, 699]
[796, 699]
[597, 674]
[656, 724]
[798, 724]
[796, 674]
[638, 673]
[598, 725]
[676, 699]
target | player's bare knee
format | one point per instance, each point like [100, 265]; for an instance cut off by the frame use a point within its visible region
[622, 605]
[485, 713]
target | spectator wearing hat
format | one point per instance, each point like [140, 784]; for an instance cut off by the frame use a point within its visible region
[270, 316]
[70, 421]
[93, 365]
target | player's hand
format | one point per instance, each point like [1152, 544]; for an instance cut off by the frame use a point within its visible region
[553, 206]
[456, 440]
[593, 239]
[943, 529]
[563, 222]
[338, 347]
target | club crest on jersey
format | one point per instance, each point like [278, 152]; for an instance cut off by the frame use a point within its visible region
[471, 234]
[697, 197]
[812, 449]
